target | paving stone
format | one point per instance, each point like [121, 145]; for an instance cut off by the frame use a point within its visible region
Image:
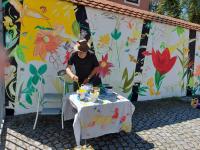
[167, 124]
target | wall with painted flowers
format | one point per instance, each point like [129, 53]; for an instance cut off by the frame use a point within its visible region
[141, 59]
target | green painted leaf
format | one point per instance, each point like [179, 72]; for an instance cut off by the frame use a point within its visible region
[28, 99]
[162, 45]
[185, 73]
[43, 28]
[27, 90]
[191, 82]
[10, 42]
[130, 96]
[35, 79]
[157, 78]
[32, 89]
[180, 52]
[125, 73]
[181, 61]
[22, 105]
[116, 34]
[43, 81]
[127, 44]
[20, 54]
[4, 3]
[180, 30]
[128, 82]
[32, 69]
[76, 28]
[127, 89]
[141, 94]
[42, 69]
[29, 83]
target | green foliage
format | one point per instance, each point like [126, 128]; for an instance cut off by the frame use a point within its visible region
[142, 90]
[184, 60]
[193, 10]
[188, 10]
[127, 86]
[10, 39]
[76, 28]
[20, 53]
[43, 28]
[179, 30]
[169, 7]
[158, 80]
[36, 76]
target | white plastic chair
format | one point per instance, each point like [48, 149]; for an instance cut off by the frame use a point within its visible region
[49, 98]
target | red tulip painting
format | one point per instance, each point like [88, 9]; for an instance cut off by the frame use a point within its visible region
[104, 66]
[163, 63]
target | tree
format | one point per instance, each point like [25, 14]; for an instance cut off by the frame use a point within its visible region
[193, 9]
[188, 10]
[170, 8]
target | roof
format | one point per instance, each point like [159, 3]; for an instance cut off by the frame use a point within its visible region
[134, 12]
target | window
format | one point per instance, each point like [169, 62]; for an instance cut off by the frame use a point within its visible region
[133, 2]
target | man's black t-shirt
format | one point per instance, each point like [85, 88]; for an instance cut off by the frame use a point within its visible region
[84, 66]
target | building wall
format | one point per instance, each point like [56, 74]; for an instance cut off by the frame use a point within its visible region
[144, 4]
[141, 59]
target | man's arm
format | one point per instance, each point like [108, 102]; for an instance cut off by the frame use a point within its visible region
[71, 74]
[94, 71]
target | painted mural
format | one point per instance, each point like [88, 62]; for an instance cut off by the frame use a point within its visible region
[141, 59]
[166, 59]
[39, 39]
[116, 42]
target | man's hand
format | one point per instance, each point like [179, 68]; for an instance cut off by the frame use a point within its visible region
[86, 81]
[75, 78]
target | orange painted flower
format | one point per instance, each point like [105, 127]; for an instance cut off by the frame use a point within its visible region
[104, 66]
[46, 42]
[197, 70]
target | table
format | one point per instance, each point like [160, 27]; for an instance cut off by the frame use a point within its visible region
[105, 116]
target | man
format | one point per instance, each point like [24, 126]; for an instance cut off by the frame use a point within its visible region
[85, 63]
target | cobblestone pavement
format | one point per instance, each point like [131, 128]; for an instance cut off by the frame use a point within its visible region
[168, 124]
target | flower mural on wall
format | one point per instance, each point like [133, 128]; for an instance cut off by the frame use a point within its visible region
[163, 63]
[46, 42]
[104, 40]
[67, 56]
[104, 66]
[197, 70]
[195, 86]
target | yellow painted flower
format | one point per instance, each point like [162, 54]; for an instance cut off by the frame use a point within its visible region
[126, 127]
[8, 24]
[150, 83]
[104, 40]
[185, 51]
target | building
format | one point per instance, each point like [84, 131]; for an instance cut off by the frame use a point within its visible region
[141, 4]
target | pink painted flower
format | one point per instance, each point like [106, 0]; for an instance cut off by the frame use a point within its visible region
[46, 42]
[146, 53]
[104, 66]
[197, 70]
[67, 56]
[4, 61]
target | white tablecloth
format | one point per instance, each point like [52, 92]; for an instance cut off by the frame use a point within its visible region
[94, 119]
